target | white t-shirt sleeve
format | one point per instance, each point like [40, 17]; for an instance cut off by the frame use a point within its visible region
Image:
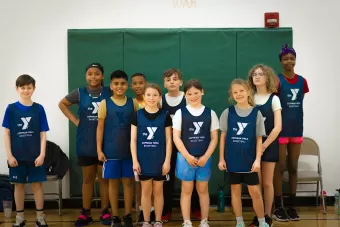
[215, 124]
[276, 104]
[177, 120]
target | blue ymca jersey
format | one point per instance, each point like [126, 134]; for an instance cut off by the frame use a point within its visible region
[240, 148]
[88, 120]
[151, 143]
[25, 124]
[291, 97]
[196, 131]
[172, 109]
[117, 130]
[268, 114]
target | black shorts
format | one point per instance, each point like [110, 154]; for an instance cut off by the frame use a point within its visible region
[246, 178]
[155, 178]
[88, 161]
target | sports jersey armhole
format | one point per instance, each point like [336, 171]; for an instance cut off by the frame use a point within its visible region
[164, 102]
[78, 89]
[137, 112]
[276, 100]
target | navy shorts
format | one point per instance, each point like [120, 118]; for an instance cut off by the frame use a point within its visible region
[271, 154]
[23, 174]
[117, 168]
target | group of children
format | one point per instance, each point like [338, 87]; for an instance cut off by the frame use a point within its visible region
[155, 137]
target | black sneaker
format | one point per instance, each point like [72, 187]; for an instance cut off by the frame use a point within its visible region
[84, 218]
[152, 217]
[127, 219]
[105, 217]
[41, 222]
[292, 214]
[280, 215]
[140, 220]
[116, 222]
[269, 221]
[255, 222]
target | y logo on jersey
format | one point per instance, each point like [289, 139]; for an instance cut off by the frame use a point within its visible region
[120, 116]
[294, 92]
[198, 126]
[151, 131]
[241, 127]
[25, 120]
[95, 107]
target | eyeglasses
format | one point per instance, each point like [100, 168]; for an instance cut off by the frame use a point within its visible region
[258, 74]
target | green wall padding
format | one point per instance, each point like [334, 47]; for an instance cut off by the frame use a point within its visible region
[151, 52]
[260, 46]
[214, 56]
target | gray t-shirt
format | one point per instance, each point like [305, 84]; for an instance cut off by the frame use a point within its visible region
[73, 96]
[260, 128]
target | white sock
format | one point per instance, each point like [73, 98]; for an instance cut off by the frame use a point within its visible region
[239, 219]
[152, 208]
[262, 221]
[140, 208]
[21, 214]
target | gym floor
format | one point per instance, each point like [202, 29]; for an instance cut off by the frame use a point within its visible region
[310, 217]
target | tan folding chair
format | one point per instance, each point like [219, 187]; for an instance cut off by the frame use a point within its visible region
[310, 147]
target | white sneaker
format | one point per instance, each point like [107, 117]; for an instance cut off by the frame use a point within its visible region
[204, 223]
[19, 222]
[240, 224]
[264, 225]
[146, 224]
[187, 223]
[41, 221]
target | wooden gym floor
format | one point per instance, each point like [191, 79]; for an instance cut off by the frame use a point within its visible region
[310, 217]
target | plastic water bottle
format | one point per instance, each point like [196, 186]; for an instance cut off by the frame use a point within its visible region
[136, 175]
[220, 204]
[336, 198]
[338, 191]
[321, 201]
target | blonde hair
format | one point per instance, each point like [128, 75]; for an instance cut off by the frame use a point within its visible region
[245, 84]
[270, 81]
[156, 87]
